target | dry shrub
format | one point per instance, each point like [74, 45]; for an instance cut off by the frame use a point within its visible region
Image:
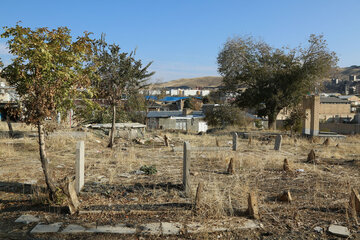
[220, 199]
[38, 195]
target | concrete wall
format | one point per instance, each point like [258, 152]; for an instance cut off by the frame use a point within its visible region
[341, 128]
[190, 125]
[329, 110]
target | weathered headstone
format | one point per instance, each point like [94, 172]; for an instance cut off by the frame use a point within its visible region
[326, 142]
[354, 204]
[79, 166]
[311, 157]
[231, 167]
[198, 197]
[73, 201]
[58, 117]
[235, 137]
[355, 200]
[186, 169]
[278, 141]
[253, 207]
[166, 141]
[285, 197]
[286, 166]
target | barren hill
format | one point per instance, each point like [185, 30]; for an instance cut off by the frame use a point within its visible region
[214, 81]
[210, 81]
[346, 71]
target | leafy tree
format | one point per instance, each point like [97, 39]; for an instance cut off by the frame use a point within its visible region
[294, 121]
[274, 78]
[225, 115]
[47, 70]
[120, 75]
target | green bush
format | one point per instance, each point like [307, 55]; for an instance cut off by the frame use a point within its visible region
[148, 170]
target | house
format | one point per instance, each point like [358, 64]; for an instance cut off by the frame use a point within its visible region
[332, 108]
[354, 101]
[186, 120]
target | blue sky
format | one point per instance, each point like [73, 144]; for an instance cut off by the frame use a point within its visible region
[183, 38]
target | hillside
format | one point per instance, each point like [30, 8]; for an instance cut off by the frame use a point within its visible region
[343, 73]
[210, 81]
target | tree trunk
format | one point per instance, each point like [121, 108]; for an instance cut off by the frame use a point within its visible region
[11, 131]
[112, 131]
[272, 120]
[45, 162]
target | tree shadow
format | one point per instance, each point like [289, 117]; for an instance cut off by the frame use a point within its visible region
[22, 188]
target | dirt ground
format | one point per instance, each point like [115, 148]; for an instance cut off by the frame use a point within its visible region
[115, 192]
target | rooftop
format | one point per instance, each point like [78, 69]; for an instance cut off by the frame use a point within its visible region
[333, 100]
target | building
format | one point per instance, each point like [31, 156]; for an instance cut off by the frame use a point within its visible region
[186, 120]
[187, 92]
[334, 108]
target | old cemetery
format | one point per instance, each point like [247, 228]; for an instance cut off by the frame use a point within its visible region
[227, 184]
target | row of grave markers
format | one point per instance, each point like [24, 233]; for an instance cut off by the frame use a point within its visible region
[253, 210]
[80, 162]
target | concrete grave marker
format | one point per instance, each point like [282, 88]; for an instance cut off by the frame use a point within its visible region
[235, 137]
[43, 228]
[231, 167]
[278, 141]
[198, 196]
[186, 169]
[73, 228]
[79, 166]
[27, 219]
[253, 207]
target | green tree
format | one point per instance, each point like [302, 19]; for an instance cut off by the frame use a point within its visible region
[47, 69]
[120, 75]
[225, 115]
[274, 78]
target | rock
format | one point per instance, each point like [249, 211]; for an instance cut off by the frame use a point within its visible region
[27, 219]
[42, 228]
[139, 141]
[124, 175]
[318, 229]
[339, 231]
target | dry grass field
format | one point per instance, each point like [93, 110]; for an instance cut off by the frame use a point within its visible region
[113, 192]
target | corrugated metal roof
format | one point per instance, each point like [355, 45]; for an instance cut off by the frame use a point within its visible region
[172, 99]
[333, 100]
